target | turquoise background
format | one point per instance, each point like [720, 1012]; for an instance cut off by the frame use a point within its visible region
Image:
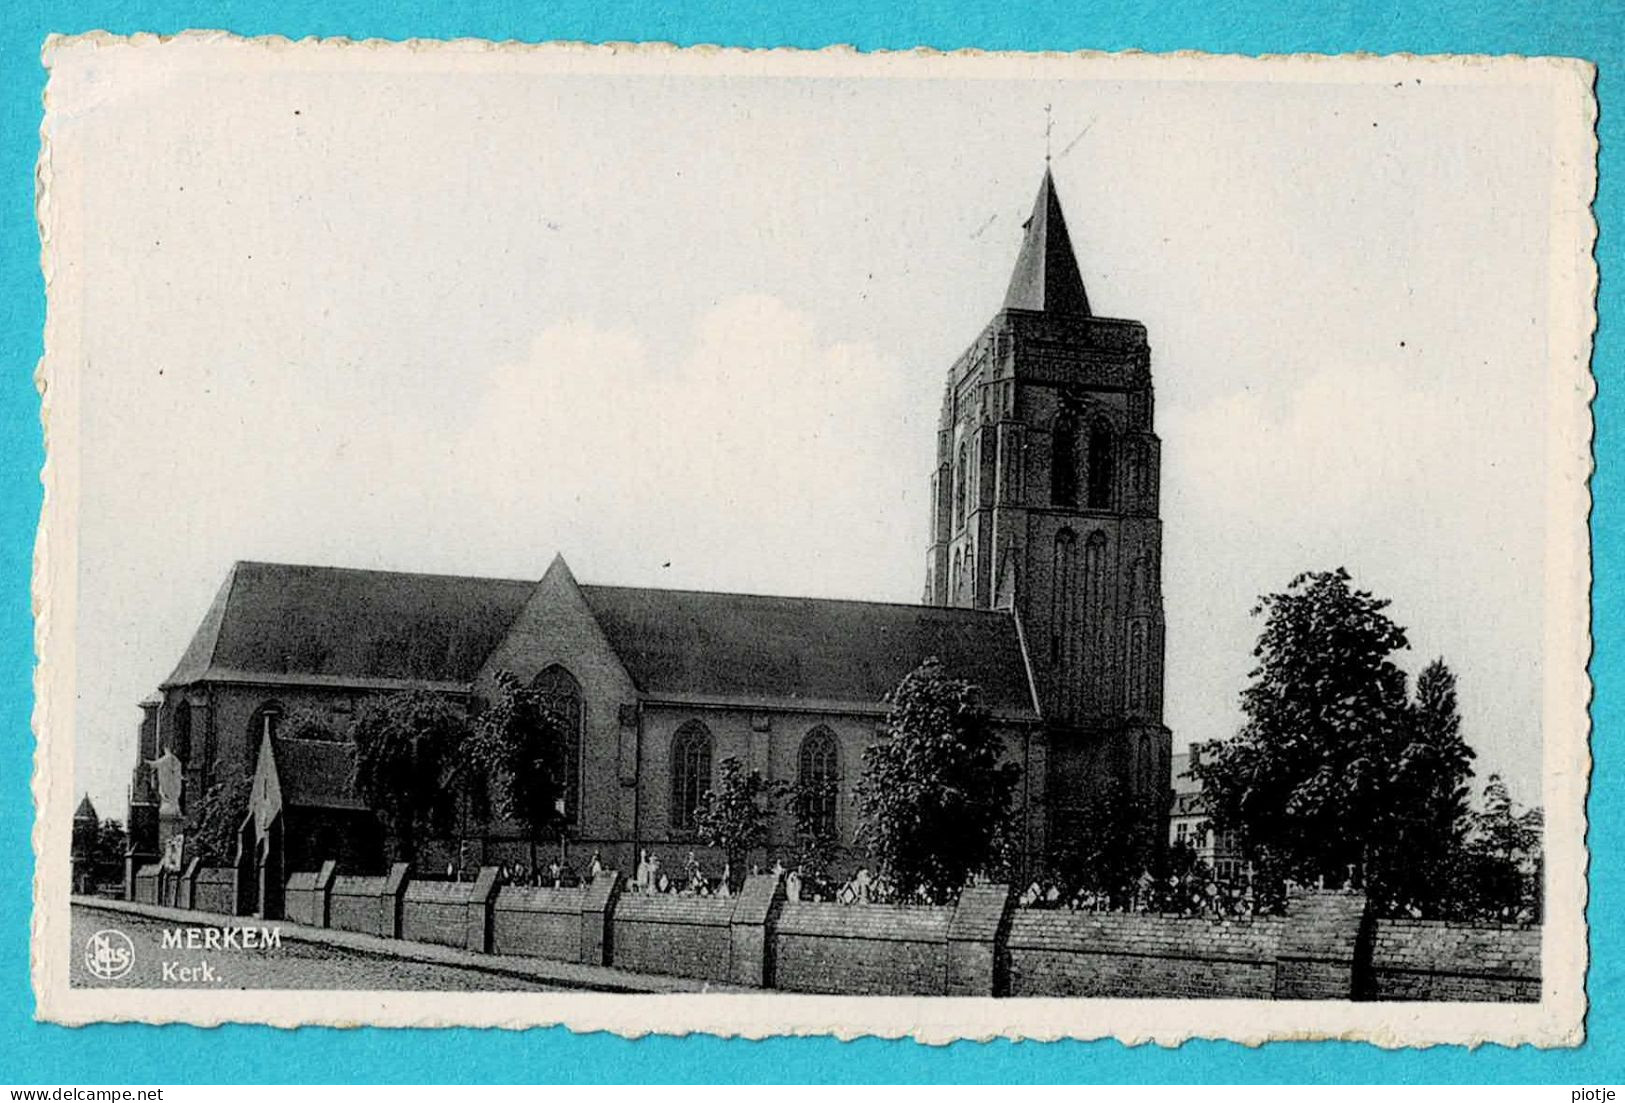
[36, 1053]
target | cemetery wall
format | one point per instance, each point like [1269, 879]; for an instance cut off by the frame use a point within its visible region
[537, 922]
[683, 936]
[436, 911]
[357, 904]
[1326, 945]
[861, 950]
[1107, 954]
[215, 890]
[1413, 959]
[300, 900]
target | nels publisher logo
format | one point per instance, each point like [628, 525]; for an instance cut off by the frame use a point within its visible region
[109, 954]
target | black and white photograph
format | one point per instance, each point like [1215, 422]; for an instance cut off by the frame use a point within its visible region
[775, 542]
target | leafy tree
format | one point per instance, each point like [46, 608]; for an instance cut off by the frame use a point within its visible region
[934, 799]
[1307, 780]
[1421, 851]
[513, 761]
[212, 825]
[406, 745]
[734, 816]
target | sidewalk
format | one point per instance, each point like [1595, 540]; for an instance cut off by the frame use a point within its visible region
[592, 978]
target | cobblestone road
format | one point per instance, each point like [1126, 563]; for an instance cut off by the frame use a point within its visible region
[288, 965]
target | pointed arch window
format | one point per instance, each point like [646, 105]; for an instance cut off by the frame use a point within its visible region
[264, 723]
[1095, 609]
[1102, 465]
[1063, 461]
[180, 738]
[690, 772]
[1063, 640]
[1138, 675]
[819, 775]
[560, 694]
[960, 474]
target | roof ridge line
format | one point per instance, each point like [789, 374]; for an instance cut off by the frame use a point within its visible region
[382, 571]
[921, 606]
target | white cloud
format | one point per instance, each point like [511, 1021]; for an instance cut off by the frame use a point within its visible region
[749, 454]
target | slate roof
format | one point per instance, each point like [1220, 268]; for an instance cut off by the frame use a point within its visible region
[686, 643]
[1046, 275]
[315, 773]
[350, 625]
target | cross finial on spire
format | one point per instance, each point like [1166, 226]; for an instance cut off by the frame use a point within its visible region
[1049, 124]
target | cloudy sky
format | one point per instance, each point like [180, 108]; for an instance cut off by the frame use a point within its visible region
[692, 331]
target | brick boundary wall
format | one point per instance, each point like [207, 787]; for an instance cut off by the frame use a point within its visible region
[537, 922]
[862, 950]
[1418, 959]
[215, 889]
[1111, 954]
[682, 936]
[1326, 945]
[146, 884]
[1318, 955]
[357, 904]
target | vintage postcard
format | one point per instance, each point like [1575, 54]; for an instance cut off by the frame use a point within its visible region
[957, 546]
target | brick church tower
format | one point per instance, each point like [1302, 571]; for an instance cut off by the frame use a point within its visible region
[1044, 502]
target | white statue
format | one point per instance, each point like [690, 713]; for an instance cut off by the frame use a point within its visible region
[167, 770]
[792, 886]
[863, 885]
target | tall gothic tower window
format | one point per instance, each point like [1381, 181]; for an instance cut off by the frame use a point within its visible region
[1137, 667]
[1063, 644]
[960, 474]
[1094, 605]
[1102, 466]
[1063, 461]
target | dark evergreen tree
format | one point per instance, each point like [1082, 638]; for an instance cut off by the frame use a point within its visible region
[1419, 857]
[1504, 865]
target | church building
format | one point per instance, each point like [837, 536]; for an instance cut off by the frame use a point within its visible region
[1042, 586]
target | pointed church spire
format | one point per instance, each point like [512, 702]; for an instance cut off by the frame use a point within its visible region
[1046, 275]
